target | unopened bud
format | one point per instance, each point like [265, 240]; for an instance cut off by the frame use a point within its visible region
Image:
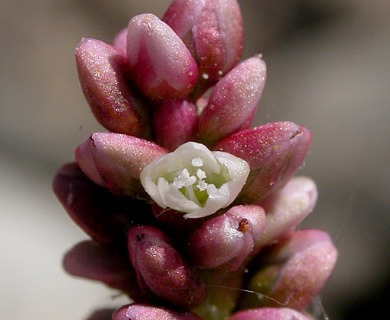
[115, 161]
[233, 101]
[212, 30]
[269, 314]
[274, 152]
[174, 123]
[161, 65]
[146, 312]
[162, 270]
[293, 271]
[228, 238]
[103, 71]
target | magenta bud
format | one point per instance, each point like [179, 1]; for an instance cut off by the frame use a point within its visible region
[146, 312]
[293, 271]
[268, 314]
[212, 30]
[174, 123]
[162, 67]
[233, 101]
[274, 151]
[119, 41]
[162, 270]
[228, 238]
[102, 72]
[286, 208]
[103, 263]
[115, 161]
[101, 215]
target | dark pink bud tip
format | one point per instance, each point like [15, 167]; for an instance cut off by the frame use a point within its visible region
[102, 71]
[274, 152]
[146, 312]
[162, 270]
[162, 67]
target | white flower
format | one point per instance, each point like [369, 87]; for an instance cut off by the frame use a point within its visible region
[195, 180]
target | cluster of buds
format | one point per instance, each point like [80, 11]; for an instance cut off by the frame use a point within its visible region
[190, 212]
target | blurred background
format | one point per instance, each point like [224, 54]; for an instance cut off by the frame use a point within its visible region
[328, 69]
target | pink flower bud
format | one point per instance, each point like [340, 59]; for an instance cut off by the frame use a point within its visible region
[212, 30]
[145, 312]
[233, 101]
[268, 314]
[162, 270]
[228, 238]
[293, 271]
[102, 71]
[174, 123]
[115, 161]
[119, 41]
[94, 209]
[274, 152]
[162, 67]
[103, 263]
[286, 208]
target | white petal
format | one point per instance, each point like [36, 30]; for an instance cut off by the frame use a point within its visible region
[238, 171]
[173, 198]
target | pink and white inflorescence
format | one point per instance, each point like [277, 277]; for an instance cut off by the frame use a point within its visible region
[190, 212]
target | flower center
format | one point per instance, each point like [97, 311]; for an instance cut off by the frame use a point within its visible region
[193, 182]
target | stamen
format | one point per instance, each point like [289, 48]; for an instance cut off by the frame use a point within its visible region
[183, 180]
[197, 162]
[202, 185]
[201, 174]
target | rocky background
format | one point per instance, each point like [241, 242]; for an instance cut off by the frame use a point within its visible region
[328, 68]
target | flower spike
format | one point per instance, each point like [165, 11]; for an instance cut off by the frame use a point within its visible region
[187, 208]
